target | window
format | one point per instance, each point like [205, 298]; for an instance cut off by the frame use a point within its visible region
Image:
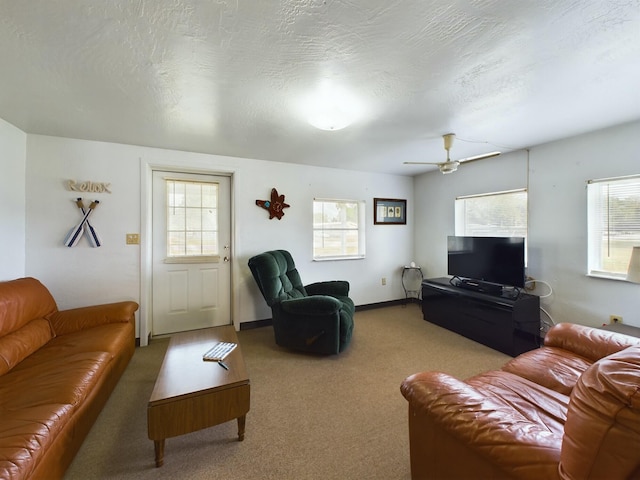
[613, 217]
[338, 229]
[192, 219]
[498, 214]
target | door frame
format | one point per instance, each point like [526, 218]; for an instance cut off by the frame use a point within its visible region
[147, 167]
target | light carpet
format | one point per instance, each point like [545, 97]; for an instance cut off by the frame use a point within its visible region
[312, 417]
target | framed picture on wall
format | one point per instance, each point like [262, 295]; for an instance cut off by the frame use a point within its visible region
[389, 211]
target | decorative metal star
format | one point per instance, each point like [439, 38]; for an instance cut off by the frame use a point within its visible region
[275, 206]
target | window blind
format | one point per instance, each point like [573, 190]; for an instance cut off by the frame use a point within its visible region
[613, 218]
[498, 214]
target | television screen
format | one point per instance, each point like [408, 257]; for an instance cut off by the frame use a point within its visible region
[497, 260]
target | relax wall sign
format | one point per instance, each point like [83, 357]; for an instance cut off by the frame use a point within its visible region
[87, 186]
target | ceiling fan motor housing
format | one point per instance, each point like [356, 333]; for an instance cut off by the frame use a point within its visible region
[448, 140]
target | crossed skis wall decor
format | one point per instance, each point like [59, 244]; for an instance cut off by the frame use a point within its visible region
[84, 227]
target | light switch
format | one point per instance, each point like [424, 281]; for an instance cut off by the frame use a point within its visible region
[133, 239]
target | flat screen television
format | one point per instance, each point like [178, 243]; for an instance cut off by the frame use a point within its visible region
[495, 260]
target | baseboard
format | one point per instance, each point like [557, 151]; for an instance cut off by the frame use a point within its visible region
[390, 303]
[267, 322]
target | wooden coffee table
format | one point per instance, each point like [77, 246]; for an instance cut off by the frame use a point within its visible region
[191, 394]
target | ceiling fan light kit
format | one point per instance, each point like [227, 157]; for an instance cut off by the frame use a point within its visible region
[450, 166]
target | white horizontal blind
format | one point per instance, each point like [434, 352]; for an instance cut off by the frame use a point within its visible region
[498, 214]
[338, 229]
[613, 217]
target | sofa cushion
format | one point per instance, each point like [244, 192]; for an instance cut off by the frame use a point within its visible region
[21, 301]
[551, 367]
[26, 434]
[111, 338]
[538, 404]
[51, 380]
[602, 431]
[18, 345]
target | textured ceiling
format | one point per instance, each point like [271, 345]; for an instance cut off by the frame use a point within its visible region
[236, 77]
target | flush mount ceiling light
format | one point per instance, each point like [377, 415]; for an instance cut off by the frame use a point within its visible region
[331, 107]
[330, 119]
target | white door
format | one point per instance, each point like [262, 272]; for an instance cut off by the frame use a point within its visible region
[191, 252]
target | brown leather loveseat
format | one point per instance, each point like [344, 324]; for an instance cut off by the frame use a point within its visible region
[57, 370]
[570, 409]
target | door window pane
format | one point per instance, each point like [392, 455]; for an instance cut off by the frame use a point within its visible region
[192, 223]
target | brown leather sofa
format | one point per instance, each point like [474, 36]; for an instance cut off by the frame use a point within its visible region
[57, 370]
[570, 409]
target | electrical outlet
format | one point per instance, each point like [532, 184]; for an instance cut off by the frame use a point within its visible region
[384, 280]
[615, 319]
[133, 239]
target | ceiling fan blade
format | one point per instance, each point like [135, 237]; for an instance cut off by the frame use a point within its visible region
[423, 163]
[479, 157]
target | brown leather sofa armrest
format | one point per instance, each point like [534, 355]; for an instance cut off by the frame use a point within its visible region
[602, 431]
[493, 430]
[73, 320]
[588, 342]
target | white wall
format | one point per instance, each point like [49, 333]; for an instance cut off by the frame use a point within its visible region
[556, 180]
[83, 275]
[13, 145]
[558, 223]
[80, 276]
[435, 195]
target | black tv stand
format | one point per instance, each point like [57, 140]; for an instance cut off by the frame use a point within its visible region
[504, 322]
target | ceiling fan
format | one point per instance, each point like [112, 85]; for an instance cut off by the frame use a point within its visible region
[449, 165]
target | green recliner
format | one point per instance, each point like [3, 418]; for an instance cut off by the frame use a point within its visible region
[314, 318]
